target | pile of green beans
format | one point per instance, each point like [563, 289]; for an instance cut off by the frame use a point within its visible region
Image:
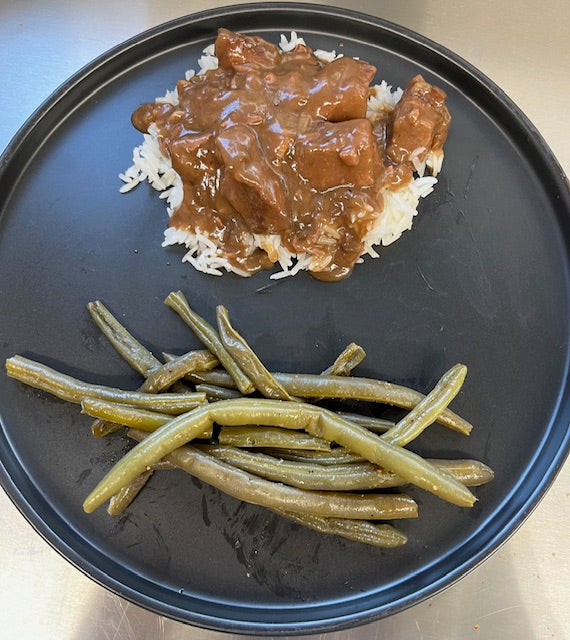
[219, 414]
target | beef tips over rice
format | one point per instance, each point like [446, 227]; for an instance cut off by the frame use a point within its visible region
[287, 155]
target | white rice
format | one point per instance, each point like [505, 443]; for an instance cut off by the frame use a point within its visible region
[397, 215]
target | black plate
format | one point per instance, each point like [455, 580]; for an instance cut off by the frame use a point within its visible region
[482, 278]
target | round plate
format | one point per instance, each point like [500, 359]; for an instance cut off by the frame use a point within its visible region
[482, 279]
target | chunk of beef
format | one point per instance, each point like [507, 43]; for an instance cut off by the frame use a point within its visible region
[235, 51]
[193, 157]
[301, 54]
[340, 90]
[338, 153]
[248, 181]
[420, 119]
[151, 112]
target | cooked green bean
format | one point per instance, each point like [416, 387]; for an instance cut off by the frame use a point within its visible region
[247, 359]
[429, 408]
[130, 349]
[343, 387]
[377, 425]
[378, 535]
[250, 488]
[101, 428]
[414, 469]
[348, 359]
[471, 473]
[167, 374]
[126, 415]
[123, 498]
[367, 389]
[337, 477]
[217, 377]
[209, 336]
[325, 467]
[67, 388]
[271, 437]
[338, 455]
[291, 415]
[303, 475]
[217, 393]
[164, 465]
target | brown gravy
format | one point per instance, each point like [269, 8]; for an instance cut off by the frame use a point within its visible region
[279, 143]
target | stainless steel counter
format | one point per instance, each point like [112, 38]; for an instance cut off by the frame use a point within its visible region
[523, 591]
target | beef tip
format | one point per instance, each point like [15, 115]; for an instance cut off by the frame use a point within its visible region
[235, 51]
[301, 54]
[332, 154]
[248, 182]
[420, 119]
[340, 90]
[193, 157]
[151, 112]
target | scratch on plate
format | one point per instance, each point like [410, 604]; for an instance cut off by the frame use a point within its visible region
[462, 214]
[268, 288]
[470, 176]
[422, 276]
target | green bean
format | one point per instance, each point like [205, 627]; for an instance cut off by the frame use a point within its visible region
[126, 415]
[140, 358]
[167, 374]
[130, 349]
[291, 415]
[337, 477]
[305, 385]
[159, 444]
[217, 393]
[377, 425]
[217, 377]
[378, 535]
[303, 475]
[246, 358]
[249, 488]
[101, 428]
[123, 498]
[350, 388]
[471, 473]
[429, 408]
[349, 358]
[270, 437]
[67, 388]
[413, 469]
[338, 455]
[209, 336]
[164, 465]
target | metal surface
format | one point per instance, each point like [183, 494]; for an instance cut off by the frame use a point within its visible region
[523, 590]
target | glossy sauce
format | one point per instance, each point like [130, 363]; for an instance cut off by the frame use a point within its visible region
[278, 143]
